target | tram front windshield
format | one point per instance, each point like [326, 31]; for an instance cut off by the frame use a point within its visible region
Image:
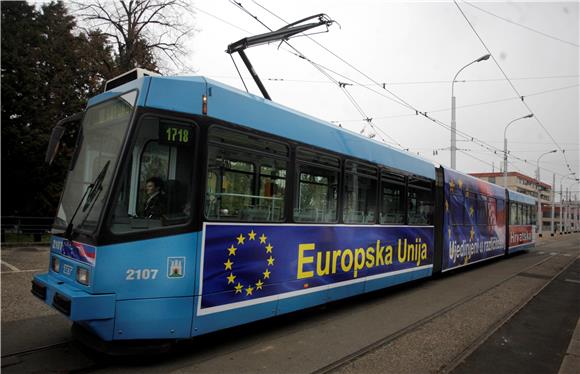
[103, 132]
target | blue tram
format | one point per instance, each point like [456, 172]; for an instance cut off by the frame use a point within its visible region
[260, 211]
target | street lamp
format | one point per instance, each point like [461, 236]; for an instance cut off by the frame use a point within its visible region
[538, 162]
[505, 147]
[453, 124]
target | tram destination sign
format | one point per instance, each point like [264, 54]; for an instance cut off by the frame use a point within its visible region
[175, 134]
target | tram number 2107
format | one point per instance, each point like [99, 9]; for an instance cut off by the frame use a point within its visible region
[141, 274]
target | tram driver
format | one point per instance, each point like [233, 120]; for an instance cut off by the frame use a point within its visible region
[156, 203]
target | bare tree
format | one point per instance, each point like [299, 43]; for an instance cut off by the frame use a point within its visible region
[144, 32]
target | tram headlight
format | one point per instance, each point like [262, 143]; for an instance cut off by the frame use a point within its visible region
[83, 275]
[55, 264]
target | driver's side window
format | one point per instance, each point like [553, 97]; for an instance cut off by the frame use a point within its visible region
[156, 184]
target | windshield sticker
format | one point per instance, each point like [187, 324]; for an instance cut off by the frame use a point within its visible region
[78, 251]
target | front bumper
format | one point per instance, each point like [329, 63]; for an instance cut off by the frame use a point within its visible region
[78, 305]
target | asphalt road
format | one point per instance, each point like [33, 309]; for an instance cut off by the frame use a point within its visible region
[427, 326]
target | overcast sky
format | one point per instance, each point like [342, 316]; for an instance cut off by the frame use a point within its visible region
[417, 48]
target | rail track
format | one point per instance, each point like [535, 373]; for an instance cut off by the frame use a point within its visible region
[75, 359]
[450, 366]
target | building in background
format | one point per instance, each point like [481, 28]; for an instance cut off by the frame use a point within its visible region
[520, 183]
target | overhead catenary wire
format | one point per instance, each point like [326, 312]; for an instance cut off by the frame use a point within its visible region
[567, 163]
[523, 26]
[410, 83]
[320, 68]
[220, 19]
[447, 109]
[496, 151]
[404, 103]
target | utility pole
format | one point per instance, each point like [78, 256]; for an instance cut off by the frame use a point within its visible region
[553, 203]
[453, 123]
[539, 213]
[561, 215]
[566, 222]
[505, 148]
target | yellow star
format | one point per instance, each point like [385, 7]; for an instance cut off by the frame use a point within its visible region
[266, 274]
[232, 250]
[228, 264]
[471, 234]
[446, 205]
[466, 193]
[460, 184]
[269, 248]
[249, 291]
[252, 235]
[451, 185]
[449, 232]
[471, 210]
[263, 239]
[271, 261]
[239, 288]
[259, 284]
[231, 278]
[241, 239]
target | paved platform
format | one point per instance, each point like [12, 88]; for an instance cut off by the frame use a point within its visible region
[536, 339]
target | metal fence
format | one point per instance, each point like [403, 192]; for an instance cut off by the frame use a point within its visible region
[25, 229]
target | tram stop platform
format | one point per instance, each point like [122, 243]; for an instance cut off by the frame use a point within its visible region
[543, 337]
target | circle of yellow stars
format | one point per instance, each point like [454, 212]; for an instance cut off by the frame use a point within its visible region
[240, 243]
[471, 211]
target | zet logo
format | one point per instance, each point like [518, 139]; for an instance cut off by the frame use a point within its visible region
[175, 267]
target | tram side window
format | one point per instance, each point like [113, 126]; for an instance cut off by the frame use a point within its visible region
[420, 202]
[230, 184]
[529, 214]
[156, 187]
[392, 199]
[246, 177]
[360, 193]
[317, 192]
[482, 210]
[491, 211]
[513, 213]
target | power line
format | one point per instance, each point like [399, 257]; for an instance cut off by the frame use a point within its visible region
[523, 26]
[348, 94]
[476, 104]
[417, 112]
[513, 87]
[496, 151]
[401, 101]
[411, 83]
[220, 19]
[321, 69]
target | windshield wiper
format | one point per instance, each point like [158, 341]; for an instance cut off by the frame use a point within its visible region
[92, 191]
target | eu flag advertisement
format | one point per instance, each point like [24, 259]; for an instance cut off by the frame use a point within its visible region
[474, 220]
[77, 251]
[246, 264]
